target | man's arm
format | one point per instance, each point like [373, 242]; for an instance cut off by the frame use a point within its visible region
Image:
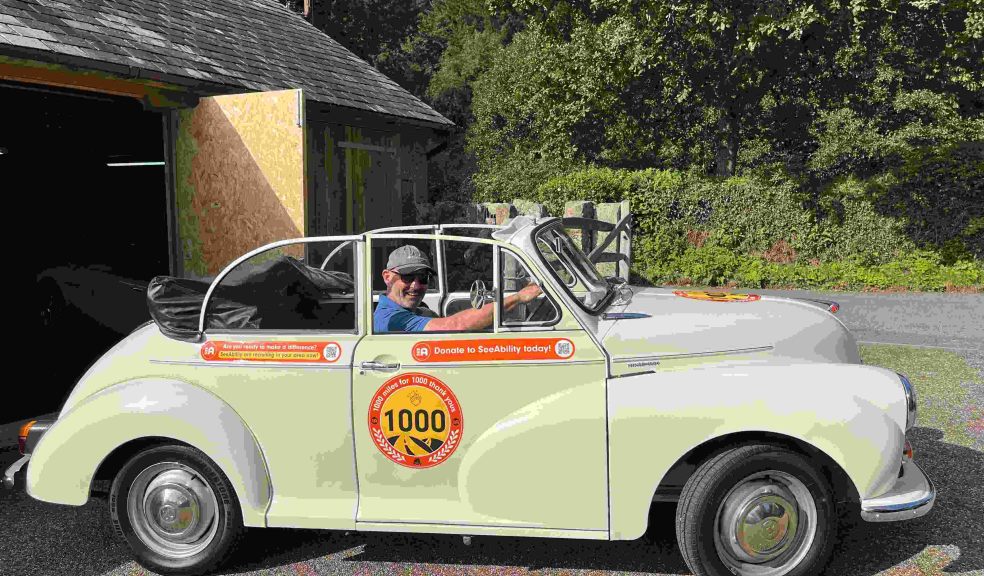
[481, 318]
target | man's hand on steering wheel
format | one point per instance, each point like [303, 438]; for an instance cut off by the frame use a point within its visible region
[529, 293]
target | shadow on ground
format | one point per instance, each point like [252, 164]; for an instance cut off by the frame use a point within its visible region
[49, 539]
[951, 532]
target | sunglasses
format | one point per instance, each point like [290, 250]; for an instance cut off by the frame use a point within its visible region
[421, 277]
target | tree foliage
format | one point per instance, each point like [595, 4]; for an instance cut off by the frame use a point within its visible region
[707, 85]
[885, 95]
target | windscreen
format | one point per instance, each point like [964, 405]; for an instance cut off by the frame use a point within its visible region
[572, 268]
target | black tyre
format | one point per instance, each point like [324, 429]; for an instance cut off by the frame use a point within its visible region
[757, 510]
[176, 510]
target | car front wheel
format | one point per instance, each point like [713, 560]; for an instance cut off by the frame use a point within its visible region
[176, 510]
[756, 510]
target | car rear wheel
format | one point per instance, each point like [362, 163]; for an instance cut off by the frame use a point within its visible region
[756, 510]
[176, 510]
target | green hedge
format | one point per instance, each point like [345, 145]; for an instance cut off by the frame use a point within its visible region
[756, 232]
[716, 266]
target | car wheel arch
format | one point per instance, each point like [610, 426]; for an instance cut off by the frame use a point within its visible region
[91, 437]
[115, 460]
[677, 475]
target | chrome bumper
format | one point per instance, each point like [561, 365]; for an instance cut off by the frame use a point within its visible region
[9, 477]
[912, 496]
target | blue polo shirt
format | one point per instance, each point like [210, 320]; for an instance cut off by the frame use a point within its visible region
[391, 317]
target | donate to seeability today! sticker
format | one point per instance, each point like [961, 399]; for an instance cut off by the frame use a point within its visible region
[415, 420]
[283, 351]
[493, 350]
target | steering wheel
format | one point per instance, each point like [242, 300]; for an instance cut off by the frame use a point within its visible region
[479, 294]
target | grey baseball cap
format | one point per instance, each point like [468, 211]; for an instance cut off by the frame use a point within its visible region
[406, 259]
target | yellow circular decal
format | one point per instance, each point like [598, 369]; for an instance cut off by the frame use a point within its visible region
[415, 420]
[717, 296]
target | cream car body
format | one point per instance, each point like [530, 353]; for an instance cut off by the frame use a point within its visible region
[574, 447]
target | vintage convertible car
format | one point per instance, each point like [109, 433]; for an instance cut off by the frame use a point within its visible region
[266, 399]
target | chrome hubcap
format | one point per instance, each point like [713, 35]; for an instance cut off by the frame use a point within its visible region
[766, 524]
[172, 510]
[765, 521]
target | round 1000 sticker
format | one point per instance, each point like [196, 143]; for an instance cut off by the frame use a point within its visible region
[717, 296]
[415, 420]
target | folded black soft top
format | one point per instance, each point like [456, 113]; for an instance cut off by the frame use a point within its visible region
[275, 294]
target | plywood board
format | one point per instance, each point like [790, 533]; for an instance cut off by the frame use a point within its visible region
[240, 177]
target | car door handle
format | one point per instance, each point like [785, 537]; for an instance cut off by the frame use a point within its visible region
[380, 366]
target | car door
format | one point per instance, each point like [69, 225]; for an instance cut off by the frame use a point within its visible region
[281, 329]
[502, 431]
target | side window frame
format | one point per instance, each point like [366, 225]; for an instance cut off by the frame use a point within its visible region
[396, 235]
[440, 239]
[357, 278]
[496, 288]
[371, 295]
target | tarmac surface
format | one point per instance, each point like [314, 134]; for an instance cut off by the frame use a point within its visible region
[44, 539]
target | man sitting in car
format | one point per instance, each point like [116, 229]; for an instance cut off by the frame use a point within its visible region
[407, 274]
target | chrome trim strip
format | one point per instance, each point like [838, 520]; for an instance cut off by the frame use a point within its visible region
[10, 476]
[502, 365]
[396, 229]
[308, 332]
[444, 227]
[630, 374]
[257, 364]
[496, 293]
[624, 315]
[518, 526]
[622, 360]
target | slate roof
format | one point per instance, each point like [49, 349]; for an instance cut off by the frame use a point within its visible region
[252, 44]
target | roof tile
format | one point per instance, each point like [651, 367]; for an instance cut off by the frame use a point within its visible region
[24, 42]
[244, 44]
[68, 49]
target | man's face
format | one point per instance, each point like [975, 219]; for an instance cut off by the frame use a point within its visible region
[406, 289]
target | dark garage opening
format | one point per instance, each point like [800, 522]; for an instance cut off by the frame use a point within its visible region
[70, 160]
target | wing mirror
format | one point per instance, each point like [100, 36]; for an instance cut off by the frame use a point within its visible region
[623, 294]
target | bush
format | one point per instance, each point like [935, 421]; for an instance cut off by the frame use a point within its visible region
[745, 214]
[756, 232]
[713, 266]
[939, 198]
